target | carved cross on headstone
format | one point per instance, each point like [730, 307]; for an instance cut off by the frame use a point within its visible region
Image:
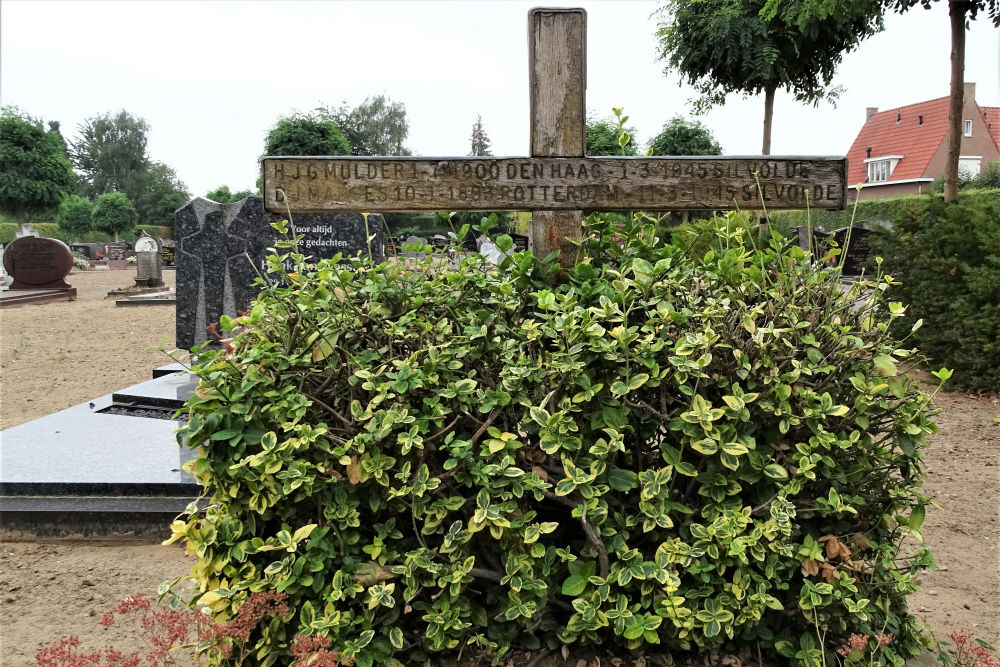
[557, 182]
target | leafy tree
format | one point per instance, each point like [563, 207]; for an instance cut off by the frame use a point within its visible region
[725, 46]
[480, 141]
[161, 193]
[302, 134]
[34, 170]
[114, 214]
[602, 138]
[377, 126]
[960, 13]
[683, 137]
[111, 154]
[223, 195]
[75, 215]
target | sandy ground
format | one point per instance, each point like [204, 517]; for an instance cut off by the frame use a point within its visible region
[55, 355]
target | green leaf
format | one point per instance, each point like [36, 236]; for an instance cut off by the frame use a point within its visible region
[706, 446]
[504, 243]
[734, 448]
[917, 517]
[885, 364]
[574, 585]
[306, 614]
[622, 480]
[775, 471]
[396, 637]
[226, 434]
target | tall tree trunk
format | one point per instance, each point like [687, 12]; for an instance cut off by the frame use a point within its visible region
[957, 9]
[21, 219]
[768, 116]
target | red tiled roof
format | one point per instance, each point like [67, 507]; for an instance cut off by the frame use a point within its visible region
[992, 117]
[915, 142]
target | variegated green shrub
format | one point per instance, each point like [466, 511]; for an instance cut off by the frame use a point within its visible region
[650, 452]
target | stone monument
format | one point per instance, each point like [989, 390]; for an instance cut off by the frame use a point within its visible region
[148, 263]
[222, 248]
[38, 263]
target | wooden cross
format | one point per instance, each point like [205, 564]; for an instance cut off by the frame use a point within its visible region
[557, 183]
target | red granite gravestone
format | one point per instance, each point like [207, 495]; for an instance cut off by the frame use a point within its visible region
[36, 263]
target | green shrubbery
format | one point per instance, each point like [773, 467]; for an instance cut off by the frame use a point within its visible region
[655, 451]
[946, 259]
[51, 230]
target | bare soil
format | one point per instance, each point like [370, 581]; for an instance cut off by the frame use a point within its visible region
[55, 355]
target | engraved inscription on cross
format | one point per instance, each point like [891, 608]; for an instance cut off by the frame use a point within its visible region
[557, 183]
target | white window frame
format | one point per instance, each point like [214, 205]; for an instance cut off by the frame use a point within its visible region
[972, 171]
[967, 128]
[878, 171]
[880, 168]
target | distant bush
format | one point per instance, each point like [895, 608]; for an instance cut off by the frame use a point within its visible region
[658, 449]
[8, 232]
[946, 259]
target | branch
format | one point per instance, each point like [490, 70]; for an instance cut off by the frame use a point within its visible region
[444, 430]
[602, 551]
[646, 406]
[486, 425]
[343, 420]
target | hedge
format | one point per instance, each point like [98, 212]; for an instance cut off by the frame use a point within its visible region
[8, 232]
[656, 451]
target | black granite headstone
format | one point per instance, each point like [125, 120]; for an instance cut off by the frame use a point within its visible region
[520, 242]
[221, 248]
[855, 256]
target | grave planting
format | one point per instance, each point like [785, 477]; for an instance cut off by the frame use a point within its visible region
[649, 451]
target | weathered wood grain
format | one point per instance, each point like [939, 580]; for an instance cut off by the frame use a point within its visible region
[557, 80]
[318, 184]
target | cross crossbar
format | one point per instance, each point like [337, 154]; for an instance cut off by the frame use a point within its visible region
[318, 184]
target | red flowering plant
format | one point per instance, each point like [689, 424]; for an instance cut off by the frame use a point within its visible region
[967, 651]
[179, 636]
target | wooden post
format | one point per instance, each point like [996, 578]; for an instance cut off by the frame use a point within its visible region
[557, 73]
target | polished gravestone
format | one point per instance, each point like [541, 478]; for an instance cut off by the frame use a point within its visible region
[38, 268]
[110, 466]
[222, 248]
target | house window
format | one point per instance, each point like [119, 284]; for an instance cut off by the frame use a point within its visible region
[968, 165]
[878, 170]
[968, 128]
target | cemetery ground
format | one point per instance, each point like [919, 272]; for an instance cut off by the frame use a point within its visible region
[58, 354]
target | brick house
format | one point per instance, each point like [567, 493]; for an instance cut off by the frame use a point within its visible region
[901, 151]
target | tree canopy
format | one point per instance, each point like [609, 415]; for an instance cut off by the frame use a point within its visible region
[305, 134]
[377, 126]
[726, 46]
[113, 213]
[602, 138]
[224, 195]
[161, 193]
[479, 142]
[111, 153]
[34, 170]
[74, 215]
[683, 137]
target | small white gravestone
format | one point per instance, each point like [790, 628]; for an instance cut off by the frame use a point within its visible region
[491, 253]
[148, 263]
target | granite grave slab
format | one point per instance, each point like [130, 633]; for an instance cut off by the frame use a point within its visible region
[110, 466]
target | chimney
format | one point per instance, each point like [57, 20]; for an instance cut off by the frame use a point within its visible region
[970, 92]
[920, 120]
[869, 112]
[899, 117]
[868, 152]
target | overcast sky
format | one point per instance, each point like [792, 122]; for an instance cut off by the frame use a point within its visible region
[212, 77]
